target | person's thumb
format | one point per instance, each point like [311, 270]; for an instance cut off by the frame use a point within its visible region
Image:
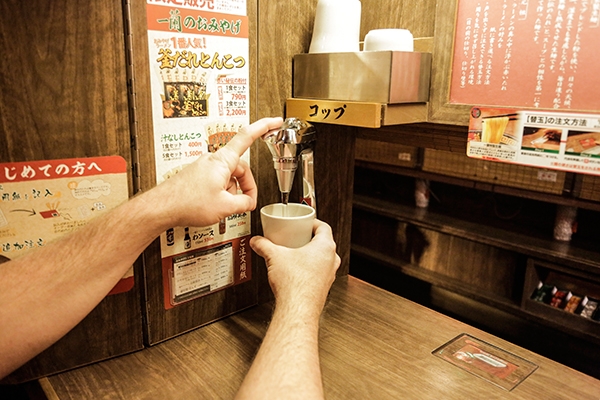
[262, 246]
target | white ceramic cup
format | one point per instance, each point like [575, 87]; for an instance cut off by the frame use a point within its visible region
[288, 225]
[337, 27]
[389, 40]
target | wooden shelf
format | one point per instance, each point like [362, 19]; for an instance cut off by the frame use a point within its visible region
[436, 279]
[489, 187]
[543, 314]
[550, 250]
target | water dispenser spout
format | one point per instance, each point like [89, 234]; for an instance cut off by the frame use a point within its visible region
[290, 145]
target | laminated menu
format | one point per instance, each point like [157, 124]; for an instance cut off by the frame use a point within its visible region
[556, 140]
[486, 361]
[532, 69]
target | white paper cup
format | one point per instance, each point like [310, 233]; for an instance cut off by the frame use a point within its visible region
[337, 27]
[288, 225]
[565, 223]
[389, 40]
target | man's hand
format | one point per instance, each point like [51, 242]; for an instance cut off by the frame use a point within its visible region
[304, 274]
[214, 186]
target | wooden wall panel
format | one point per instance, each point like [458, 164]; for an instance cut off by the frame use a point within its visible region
[478, 266]
[285, 29]
[427, 249]
[63, 94]
[62, 78]
[416, 16]
[490, 269]
[475, 266]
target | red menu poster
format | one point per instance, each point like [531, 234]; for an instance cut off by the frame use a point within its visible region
[200, 87]
[527, 54]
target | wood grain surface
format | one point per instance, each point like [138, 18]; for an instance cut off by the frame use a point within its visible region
[285, 29]
[416, 16]
[373, 344]
[64, 95]
[478, 266]
[63, 82]
[440, 108]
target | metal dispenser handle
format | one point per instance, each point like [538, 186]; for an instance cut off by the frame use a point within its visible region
[290, 145]
[308, 179]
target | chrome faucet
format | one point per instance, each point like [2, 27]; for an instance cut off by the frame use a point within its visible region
[291, 144]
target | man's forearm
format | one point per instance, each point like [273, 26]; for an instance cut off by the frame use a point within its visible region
[287, 364]
[45, 293]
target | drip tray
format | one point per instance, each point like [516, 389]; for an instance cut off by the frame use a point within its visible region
[486, 361]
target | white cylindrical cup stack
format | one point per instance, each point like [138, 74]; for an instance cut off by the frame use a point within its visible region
[337, 27]
[389, 40]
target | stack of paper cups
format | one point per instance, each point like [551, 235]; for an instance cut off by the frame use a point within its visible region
[565, 223]
[389, 40]
[337, 27]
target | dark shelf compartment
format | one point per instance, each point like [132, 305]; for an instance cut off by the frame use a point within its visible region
[563, 320]
[526, 243]
[578, 282]
[571, 324]
[484, 186]
[436, 279]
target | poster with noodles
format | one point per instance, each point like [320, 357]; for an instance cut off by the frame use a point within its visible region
[527, 54]
[199, 73]
[560, 141]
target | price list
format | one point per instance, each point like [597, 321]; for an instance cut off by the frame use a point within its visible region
[233, 96]
[202, 272]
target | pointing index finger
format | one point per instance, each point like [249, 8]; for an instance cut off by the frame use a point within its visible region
[244, 139]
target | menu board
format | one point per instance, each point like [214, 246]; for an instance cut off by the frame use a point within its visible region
[199, 76]
[527, 54]
[554, 140]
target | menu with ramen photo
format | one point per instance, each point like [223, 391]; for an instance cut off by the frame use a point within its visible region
[561, 141]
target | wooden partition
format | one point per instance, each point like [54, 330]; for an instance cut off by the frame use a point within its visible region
[271, 81]
[287, 27]
[63, 94]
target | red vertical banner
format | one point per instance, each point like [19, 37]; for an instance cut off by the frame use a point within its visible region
[200, 88]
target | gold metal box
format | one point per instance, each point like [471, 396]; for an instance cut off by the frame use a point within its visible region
[389, 77]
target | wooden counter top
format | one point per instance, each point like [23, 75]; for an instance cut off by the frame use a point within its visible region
[374, 345]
